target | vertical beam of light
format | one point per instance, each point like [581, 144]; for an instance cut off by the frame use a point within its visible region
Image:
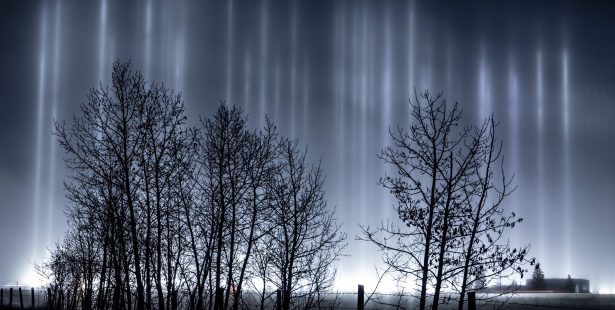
[337, 76]
[164, 33]
[229, 52]
[449, 68]
[147, 50]
[540, 149]
[355, 75]
[427, 63]
[247, 81]
[102, 37]
[340, 81]
[276, 91]
[54, 115]
[513, 132]
[351, 161]
[566, 151]
[411, 51]
[387, 81]
[484, 87]
[264, 43]
[102, 47]
[306, 103]
[40, 106]
[293, 71]
[362, 121]
[179, 46]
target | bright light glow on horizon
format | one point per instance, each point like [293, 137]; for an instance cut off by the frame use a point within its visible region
[369, 279]
[29, 278]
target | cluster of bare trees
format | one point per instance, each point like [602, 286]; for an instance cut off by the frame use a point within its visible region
[162, 214]
[449, 187]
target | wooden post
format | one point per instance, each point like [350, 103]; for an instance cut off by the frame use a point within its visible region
[11, 297]
[1, 297]
[219, 298]
[471, 300]
[174, 300]
[20, 299]
[278, 299]
[32, 305]
[49, 298]
[361, 298]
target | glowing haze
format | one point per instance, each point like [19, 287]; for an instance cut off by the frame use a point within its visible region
[335, 74]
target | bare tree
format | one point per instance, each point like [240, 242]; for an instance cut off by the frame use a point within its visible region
[444, 175]
[105, 139]
[123, 151]
[260, 152]
[225, 184]
[163, 214]
[306, 236]
[486, 254]
[419, 155]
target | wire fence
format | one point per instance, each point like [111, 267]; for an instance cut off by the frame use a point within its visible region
[31, 298]
[23, 298]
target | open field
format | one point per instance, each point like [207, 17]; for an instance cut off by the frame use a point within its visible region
[519, 301]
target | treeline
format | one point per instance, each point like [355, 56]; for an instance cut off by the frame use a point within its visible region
[162, 213]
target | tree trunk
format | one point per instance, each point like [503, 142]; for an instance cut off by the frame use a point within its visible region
[468, 257]
[432, 206]
[443, 240]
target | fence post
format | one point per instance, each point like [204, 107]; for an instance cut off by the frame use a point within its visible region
[67, 299]
[361, 298]
[278, 299]
[20, 299]
[174, 300]
[1, 297]
[32, 295]
[219, 298]
[49, 299]
[61, 298]
[11, 297]
[471, 300]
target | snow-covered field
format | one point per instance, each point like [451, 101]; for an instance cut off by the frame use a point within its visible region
[518, 301]
[393, 301]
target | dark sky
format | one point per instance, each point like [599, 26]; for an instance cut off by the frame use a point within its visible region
[335, 74]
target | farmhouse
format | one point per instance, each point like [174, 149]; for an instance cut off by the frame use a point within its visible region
[560, 285]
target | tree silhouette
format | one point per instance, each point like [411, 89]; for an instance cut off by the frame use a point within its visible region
[125, 152]
[163, 214]
[538, 278]
[448, 201]
[569, 286]
[305, 234]
[486, 255]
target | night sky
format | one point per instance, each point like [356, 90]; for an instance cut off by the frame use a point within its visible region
[335, 74]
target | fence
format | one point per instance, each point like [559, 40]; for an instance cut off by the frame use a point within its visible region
[20, 298]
